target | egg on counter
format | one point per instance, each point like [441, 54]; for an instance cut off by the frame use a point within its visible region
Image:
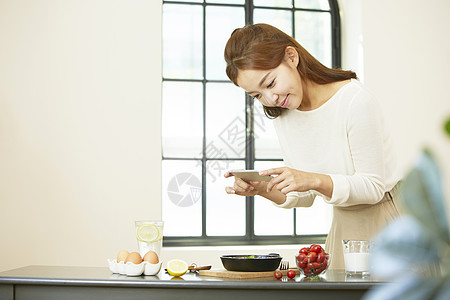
[151, 257]
[134, 257]
[122, 255]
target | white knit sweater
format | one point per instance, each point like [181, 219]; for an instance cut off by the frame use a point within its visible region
[345, 138]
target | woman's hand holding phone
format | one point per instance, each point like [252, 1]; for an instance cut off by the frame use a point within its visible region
[265, 185]
[288, 180]
[245, 188]
[284, 180]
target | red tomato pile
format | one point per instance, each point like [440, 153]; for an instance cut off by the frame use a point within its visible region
[312, 260]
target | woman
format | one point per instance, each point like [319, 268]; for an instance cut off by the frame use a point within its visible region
[330, 130]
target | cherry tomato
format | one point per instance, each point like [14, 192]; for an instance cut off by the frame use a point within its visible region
[320, 257]
[291, 274]
[315, 248]
[304, 250]
[307, 271]
[322, 268]
[317, 271]
[301, 265]
[316, 265]
[311, 257]
[278, 274]
[301, 257]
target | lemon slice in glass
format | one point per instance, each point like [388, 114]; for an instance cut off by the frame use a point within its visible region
[148, 233]
[177, 267]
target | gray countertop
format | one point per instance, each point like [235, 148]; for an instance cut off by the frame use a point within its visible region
[59, 282]
[102, 276]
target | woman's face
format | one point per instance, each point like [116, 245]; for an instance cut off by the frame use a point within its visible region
[279, 87]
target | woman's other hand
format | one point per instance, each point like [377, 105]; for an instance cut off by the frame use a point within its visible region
[243, 188]
[289, 180]
[292, 180]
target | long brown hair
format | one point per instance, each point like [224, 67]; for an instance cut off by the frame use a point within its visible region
[262, 47]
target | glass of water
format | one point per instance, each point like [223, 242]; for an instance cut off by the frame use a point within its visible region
[149, 235]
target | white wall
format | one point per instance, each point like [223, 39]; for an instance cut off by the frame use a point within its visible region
[80, 116]
[407, 58]
[406, 63]
[401, 50]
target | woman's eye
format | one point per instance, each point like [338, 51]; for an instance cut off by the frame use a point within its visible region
[271, 84]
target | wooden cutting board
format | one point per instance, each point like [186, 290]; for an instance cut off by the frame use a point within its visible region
[234, 274]
[237, 275]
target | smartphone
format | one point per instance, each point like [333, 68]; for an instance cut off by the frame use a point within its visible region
[250, 175]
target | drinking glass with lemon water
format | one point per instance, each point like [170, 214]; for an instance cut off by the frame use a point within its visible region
[149, 235]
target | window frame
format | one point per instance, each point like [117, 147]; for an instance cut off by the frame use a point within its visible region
[249, 238]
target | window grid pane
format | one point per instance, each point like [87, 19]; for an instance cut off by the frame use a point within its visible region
[313, 32]
[282, 19]
[220, 22]
[181, 193]
[186, 64]
[182, 105]
[225, 214]
[226, 1]
[273, 3]
[312, 4]
[225, 121]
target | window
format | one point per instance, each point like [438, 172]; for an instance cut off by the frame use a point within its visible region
[210, 126]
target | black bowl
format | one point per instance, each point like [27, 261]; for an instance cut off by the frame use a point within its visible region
[251, 263]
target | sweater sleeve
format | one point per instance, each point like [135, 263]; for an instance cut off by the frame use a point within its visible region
[366, 143]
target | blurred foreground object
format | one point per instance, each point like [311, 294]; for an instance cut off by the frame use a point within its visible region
[413, 252]
[447, 127]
